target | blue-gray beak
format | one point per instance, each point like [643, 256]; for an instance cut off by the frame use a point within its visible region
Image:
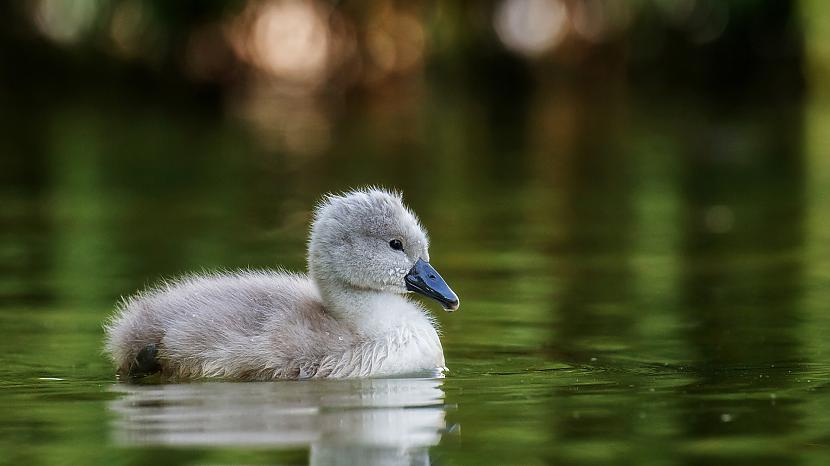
[425, 280]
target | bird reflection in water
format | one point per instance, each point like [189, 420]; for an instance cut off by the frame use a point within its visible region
[373, 421]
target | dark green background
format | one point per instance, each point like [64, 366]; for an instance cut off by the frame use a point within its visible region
[640, 241]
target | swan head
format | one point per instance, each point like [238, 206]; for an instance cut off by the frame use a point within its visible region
[368, 240]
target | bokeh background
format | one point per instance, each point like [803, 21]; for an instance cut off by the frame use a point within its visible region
[632, 199]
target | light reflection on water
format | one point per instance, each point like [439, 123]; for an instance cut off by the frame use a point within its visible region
[380, 421]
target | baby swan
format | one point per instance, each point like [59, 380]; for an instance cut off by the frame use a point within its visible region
[347, 318]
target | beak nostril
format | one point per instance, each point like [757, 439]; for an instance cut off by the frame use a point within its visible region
[432, 276]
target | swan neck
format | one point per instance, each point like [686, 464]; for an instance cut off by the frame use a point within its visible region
[369, 313]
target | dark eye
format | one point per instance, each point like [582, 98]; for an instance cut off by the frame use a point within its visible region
[396, 245]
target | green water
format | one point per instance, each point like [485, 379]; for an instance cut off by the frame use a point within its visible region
[643, 281]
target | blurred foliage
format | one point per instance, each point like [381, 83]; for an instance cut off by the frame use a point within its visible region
[706, 43]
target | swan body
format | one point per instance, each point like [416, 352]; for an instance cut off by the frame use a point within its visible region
[349, 317]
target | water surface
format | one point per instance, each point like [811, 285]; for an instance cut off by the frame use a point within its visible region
[642, 283]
